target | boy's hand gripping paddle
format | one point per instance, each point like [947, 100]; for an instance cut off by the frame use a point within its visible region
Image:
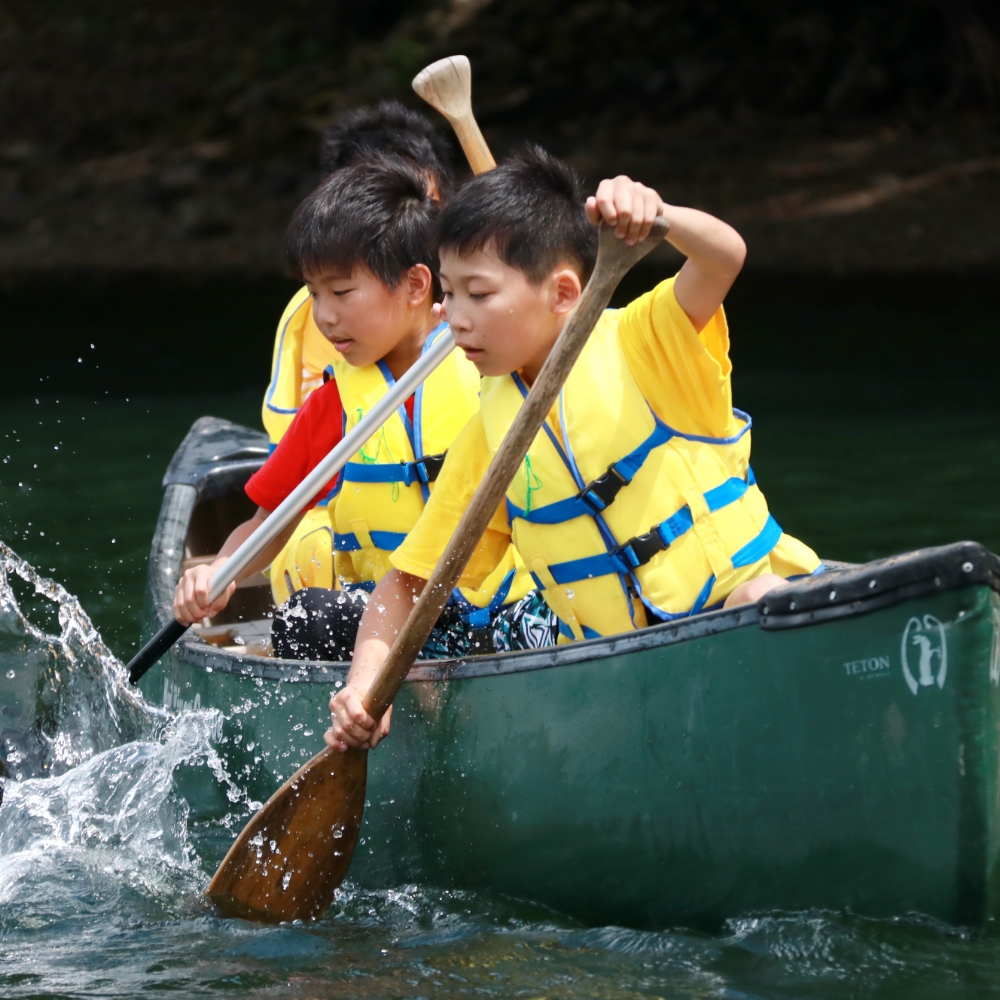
[290, 858]
[447, 86]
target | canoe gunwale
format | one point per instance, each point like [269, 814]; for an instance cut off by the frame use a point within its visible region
[879, 584]
[201, 653]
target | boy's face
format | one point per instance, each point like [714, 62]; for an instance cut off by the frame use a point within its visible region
[501, 320]
[363, 318]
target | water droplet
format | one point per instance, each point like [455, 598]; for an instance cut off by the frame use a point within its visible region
[11, 675]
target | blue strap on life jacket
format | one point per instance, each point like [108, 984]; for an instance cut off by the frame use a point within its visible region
[588, 633]
[638, 551]
[389, 541]
[598, 495]
[422, 470]
[482, 617]
[753, 551]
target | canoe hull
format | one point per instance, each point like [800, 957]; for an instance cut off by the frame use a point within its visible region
[683, 782]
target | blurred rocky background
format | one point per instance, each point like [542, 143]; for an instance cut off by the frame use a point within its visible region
[177, 137]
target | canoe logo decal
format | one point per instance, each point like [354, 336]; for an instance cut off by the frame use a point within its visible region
[924, 652]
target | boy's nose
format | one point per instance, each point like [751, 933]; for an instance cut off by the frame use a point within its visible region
[323, 315]
[458, 322]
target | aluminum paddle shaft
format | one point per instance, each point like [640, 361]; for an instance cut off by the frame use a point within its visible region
[293, 504]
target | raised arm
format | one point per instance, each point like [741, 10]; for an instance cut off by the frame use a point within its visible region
[715, 251]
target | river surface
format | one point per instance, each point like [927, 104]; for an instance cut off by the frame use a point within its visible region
[104, 859]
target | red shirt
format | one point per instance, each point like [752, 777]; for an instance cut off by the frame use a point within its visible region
[316, 430]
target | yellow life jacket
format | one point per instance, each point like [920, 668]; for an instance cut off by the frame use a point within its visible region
[307, 558]
[301, 355]
[382, 490]
[623, 520]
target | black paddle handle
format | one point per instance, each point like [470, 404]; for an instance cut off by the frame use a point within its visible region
[154, 649]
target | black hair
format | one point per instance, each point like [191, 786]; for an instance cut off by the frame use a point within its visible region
[529, 210]
[388, 128]
[376, 214]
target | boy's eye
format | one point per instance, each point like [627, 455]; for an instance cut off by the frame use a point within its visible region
[343, 292]
[477, 296]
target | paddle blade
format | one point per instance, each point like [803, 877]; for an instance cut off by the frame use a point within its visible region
[290, 858]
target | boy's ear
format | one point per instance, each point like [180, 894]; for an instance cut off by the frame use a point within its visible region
[419, 284]
[566, 290]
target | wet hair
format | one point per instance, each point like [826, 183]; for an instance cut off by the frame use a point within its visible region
[529, 210]
[388, 128]
[376, 214]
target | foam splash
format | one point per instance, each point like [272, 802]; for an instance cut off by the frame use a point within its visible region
[109, 834]
[63, 697]
[106, 788]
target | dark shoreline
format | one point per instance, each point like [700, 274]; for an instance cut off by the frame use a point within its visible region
[169, 333]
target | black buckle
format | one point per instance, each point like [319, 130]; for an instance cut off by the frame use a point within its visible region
[639, 550]
[432, 465]
[599, 494]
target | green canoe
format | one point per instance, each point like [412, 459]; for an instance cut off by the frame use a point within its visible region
[834, 746]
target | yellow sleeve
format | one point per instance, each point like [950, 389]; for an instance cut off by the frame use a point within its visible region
[466, 464]
[684, 375]
[283, 396]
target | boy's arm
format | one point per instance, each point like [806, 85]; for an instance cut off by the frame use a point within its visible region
[414, 561]
[191, 603]
[389, 607]
[715, 251]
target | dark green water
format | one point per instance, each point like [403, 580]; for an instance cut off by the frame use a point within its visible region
[876, 431]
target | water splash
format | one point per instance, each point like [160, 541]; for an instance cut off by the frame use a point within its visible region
[107, 788]
[108, 835]
[63, 697]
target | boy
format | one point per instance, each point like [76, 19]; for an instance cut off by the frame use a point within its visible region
[301, 353]
[362, 242]
[636, 503]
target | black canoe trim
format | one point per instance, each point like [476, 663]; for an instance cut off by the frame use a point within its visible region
[879, 584]
[215, 447]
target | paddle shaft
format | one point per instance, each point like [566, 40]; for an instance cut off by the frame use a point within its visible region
[290, 507]
[614, 259]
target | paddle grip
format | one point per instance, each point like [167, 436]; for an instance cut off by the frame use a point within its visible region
[446, 85]
[614, 258]
[154, 649]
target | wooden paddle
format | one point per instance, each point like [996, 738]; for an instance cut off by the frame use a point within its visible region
[447, 86]
[290, 858]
